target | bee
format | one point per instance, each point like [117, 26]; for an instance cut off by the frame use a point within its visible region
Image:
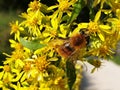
[72, 45]
[65, 50]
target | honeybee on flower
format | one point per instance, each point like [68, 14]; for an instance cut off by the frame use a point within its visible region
[72, 45]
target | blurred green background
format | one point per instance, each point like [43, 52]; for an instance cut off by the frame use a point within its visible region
[9, 11]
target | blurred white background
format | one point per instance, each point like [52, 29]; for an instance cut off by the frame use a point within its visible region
[107, 77]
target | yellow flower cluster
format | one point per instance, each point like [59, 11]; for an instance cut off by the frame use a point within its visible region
[50, 44]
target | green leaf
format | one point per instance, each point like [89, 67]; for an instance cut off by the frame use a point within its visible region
[116, 59]
[32, 45]
[70, 68]
[76, 10]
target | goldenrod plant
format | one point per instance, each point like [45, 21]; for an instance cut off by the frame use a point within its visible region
[51, 46]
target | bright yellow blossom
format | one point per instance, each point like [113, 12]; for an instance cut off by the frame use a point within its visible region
[102, 51]
[7, 77]
[16, 45]
[16, 29]
[34, 6]
[93, 27]
[33, 22]
[16, 58]
[116, 25]
[63, 6]
[98, 28]
[41, 63]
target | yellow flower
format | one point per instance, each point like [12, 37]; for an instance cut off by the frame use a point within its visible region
[33, 22]
[115, 24]
[35, 69]
[16, 58]
[93, 27]
[63, 31]
[41, 63]
[115, 4]
[34, 6]
[27, 66]
[104, 51]
[50, 32]
[9, 75]
[101, 49]
[28, 69]
[16, 28]
[97, 28]
[59, 83]
[63, 6]
[55, 30]
[16, 45]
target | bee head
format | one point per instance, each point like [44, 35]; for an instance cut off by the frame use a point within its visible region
[78, 41]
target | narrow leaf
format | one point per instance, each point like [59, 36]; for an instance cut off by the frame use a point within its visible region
[76, 10]
[70, 74]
